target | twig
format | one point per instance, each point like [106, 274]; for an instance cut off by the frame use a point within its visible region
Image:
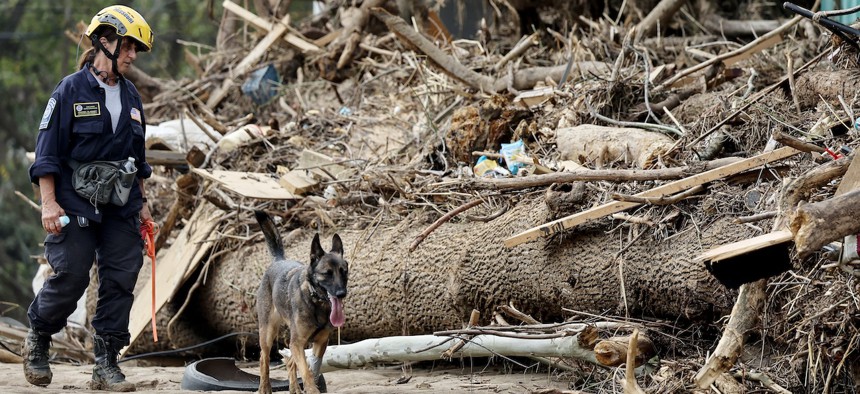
[758, 96]
[448, 216]
[762, 378]
[619, 61]
[633, 219]
[755, 218]
[646, 126]
[795, 143]
[512, 311]
[847, 110]
[675, 121]
[193, 116]
[474, 318]
[560, 364]
[790, 71]
[29, 201]
[517, 51]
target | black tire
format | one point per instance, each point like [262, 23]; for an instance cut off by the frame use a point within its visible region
[221, 373]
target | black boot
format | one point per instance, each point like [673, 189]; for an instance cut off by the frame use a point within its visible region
[106, 374]
[37, 371]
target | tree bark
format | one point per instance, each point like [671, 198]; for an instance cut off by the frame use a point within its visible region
[800, 188]
[817, 224]
[464, 266]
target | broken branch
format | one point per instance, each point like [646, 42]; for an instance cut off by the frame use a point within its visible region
[442, 220]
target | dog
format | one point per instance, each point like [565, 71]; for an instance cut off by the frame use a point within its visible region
[308, 298]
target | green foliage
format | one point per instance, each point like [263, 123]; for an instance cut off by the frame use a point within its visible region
[20, 233]
[36, 54]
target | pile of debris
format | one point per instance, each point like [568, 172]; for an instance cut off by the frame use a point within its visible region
[584, 170]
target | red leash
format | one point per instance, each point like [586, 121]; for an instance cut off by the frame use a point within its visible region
[148, 229]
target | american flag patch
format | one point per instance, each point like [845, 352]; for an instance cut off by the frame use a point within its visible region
[135, 114]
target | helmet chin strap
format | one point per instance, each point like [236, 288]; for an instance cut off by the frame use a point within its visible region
[112, 56]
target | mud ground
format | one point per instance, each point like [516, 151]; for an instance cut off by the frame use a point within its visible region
[166, 380]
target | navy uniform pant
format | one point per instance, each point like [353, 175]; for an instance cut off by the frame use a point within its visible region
[116, 247]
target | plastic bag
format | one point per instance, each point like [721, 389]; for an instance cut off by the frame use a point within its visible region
[489, 168]
[515, 156]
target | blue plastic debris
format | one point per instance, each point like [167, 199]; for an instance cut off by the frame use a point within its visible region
[262, 85]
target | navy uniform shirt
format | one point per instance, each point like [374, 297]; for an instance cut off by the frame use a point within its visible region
[76, 125]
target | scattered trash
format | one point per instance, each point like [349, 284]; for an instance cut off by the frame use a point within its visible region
[489, 168]
[241, 135]
[345, 111]
[262, 85]
[330, 192]
[515, 156]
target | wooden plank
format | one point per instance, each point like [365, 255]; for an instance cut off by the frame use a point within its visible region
[298, 182]
[314, 161]
[765, 44]
[748, 245]
[173, 267]
[851, 179]
[248, 184]
[265, 25]
[249, 61]
[660, 191]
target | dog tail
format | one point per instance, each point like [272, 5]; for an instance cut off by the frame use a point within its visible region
[273, 237]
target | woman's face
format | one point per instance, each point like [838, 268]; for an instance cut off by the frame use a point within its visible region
[127, 53]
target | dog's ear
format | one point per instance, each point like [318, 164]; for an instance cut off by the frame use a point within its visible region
[336, 245]
[317, 251]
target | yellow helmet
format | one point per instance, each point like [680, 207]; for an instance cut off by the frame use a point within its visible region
[126, 21]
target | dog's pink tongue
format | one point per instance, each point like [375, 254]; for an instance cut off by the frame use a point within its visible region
[336, 317]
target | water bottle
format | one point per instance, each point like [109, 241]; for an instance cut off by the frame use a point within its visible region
[64, 220]
[128, 172]
[122, 189]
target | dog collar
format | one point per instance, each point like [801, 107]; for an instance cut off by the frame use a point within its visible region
[316, 294]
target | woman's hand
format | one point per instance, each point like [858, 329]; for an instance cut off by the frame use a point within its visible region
[145, 215]
[51, 212]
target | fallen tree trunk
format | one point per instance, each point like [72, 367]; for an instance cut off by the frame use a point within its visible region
[370, 352]
[817, 224]
[825, 85]
[464, 266]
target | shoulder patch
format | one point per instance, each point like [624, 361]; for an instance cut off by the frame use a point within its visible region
[46, 117]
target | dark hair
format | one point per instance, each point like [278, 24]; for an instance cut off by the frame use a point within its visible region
[89, 55]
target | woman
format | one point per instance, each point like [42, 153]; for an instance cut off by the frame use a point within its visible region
[94, 116]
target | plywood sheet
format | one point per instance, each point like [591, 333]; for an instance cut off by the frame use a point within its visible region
[173, 267]
[248, 184]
